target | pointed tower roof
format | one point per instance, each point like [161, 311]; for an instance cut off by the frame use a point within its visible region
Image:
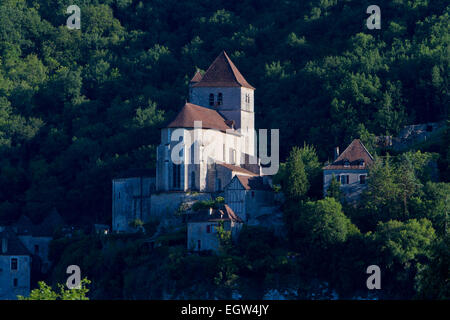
[210, 118]
[355, 156]
[223, 73]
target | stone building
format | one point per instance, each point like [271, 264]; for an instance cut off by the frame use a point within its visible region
[250, 197]
[131, 194]
[37, 237]
[216, 126]
[211, 140]
[350, 168]
[202, 228]
[15, 266]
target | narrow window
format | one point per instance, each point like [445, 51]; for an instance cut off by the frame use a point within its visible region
[362, 179]
[219, 99]
[344, 179]
[233, 156]
[219, 185]
[193, 153]
[193, 180]
[15, 282]
[253, 194]
[211, 99]
[199, 244]
[176, 176]
[14, 264]
[208, 228]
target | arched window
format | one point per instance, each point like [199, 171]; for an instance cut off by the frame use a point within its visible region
[211, 99]
[219, 99]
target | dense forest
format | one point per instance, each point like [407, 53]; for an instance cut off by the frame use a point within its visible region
[78, 107]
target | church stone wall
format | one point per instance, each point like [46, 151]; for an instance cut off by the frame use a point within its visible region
[231, 97]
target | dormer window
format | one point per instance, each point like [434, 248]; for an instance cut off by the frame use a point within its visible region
[211, 99]
[361, 163]
[219, 99]
[346, 163]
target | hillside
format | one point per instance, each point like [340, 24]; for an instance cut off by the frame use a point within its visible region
[79, 106]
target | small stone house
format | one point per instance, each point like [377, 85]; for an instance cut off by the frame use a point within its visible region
[202, 228]
[15, 266]
[350, 168]
[37, 237]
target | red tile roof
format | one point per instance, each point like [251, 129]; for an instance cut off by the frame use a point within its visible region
[253, 183]
[197, 77]
[236, 168]
[223, 73]
[210, 118]
[353, 154]
[223, 214]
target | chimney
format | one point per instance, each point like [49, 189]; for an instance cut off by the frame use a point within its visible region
[336, 153]
[4, 244]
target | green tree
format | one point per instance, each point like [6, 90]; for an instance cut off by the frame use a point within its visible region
[322, 225]
[334, 190]
[381, 199]
[45, 292]
[297, 182]
[432, 281]
[401, 246]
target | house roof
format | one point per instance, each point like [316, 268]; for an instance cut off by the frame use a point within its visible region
[353, 154]
[210, 118]
[15, 247]
[253, 183]
[46, 228]
[236, 168]
[197, 77]
[223, 73]
[225, 213]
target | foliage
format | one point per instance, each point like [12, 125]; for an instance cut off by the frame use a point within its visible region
[136, 223]
[322, 224]
[45, 292]
[206, 204]
[334, 190]
[297, 182]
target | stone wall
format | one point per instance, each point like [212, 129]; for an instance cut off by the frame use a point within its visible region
[353, 189]
[38, 246]
[131, 200]
[165, 204]
[8, 291]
